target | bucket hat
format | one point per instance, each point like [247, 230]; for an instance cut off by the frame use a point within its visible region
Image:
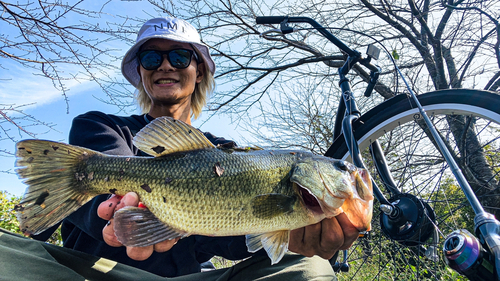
[163, 28]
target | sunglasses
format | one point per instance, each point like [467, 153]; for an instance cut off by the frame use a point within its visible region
[178, 58]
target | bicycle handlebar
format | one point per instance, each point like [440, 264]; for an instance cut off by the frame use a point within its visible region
[286, 19]
[372, 82]
[369, 89]
[270, 20]
[316, 25]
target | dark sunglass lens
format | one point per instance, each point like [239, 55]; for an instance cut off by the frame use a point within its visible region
[180, 58]
[150, 60]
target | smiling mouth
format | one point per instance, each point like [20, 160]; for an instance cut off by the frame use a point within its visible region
[165, 81]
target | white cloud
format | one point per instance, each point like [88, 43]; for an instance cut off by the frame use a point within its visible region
[20, 85]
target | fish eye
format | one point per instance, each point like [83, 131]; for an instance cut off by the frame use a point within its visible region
[341, 165]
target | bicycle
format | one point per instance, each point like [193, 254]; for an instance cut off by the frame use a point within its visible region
[415, 213]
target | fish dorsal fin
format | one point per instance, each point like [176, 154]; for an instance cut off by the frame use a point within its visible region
[165, 135]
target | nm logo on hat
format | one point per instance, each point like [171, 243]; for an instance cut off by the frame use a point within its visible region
[169, 25]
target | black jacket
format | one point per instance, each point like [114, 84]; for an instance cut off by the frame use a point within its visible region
[82, 230]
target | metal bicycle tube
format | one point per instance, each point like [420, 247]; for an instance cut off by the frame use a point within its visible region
[462, 181]
[352, 145]
[351, 114]
[337, 130]
[325, 33]
[383, 168]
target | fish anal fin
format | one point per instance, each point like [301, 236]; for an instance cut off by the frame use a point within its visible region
[139, 227]
[274, 243]
[165, 135]
[268, 206]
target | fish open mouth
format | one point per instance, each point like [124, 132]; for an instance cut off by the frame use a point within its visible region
[310, 200]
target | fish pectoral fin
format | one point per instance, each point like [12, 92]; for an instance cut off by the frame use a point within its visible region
[268, 206]
[139, 227]
[275, 243]
[165, 135]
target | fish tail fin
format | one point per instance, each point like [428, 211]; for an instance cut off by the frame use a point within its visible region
[55, 188]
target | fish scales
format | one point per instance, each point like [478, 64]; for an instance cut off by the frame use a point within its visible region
[191, 187]
[196, 198]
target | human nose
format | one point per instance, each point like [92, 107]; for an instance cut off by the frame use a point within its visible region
[165, 65]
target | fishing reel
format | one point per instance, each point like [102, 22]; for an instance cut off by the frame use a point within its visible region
[464, 253]
[411, 222]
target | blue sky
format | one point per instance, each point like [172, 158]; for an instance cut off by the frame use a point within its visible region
[20, 85]
[54, 111]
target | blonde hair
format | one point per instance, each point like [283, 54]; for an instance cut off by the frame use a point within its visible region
[198, 99]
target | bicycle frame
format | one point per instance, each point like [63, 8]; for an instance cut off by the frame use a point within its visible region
[487, 227]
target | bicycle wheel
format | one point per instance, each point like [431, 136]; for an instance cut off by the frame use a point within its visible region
[469, 121]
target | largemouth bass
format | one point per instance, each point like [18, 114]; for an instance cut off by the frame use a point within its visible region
[192, 187]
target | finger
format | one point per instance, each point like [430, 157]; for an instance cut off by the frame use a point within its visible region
[310, 245]
[140, 253]
[165, 245]
[312, 235]
[107, 208]
[332, 236]
[108, 234]
[296, 238]
[351, 233]
[129, 199]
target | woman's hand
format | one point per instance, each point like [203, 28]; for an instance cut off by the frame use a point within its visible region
[106, 211]
[324, 238]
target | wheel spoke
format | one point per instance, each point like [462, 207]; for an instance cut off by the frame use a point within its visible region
[423, 176]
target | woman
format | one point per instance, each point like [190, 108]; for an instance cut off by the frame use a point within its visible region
[173, 72]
